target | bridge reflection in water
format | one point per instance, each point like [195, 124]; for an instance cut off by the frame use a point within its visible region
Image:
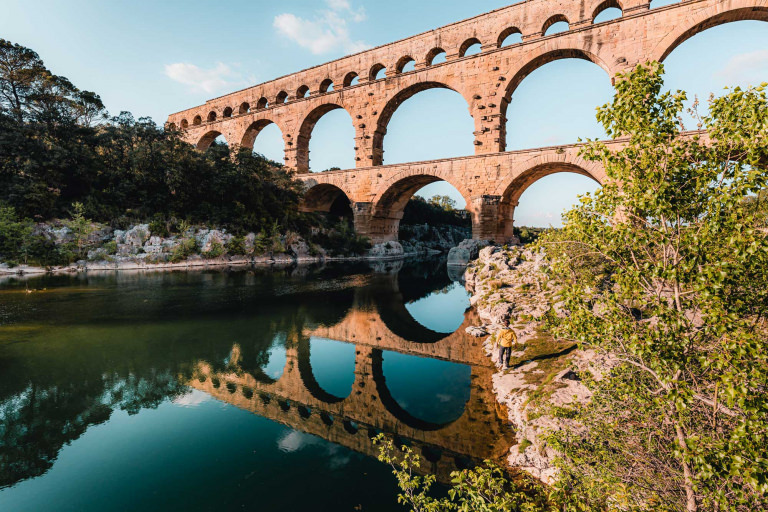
[377, 322]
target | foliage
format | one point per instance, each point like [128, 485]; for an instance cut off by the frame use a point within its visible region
[438, 210]
[57, 148]
[483, 489]
[183, 250]
[340, 239]
[528, 235]
[665, 269]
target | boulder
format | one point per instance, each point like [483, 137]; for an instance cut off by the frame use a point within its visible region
[208, 238]
[477, 332]
[137, 235]
[386, 250]
[299, 249]
[466, 251]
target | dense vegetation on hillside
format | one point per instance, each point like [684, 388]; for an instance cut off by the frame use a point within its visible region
[58, 147]
[664, 272]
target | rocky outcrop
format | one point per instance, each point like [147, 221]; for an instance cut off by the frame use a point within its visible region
[509, 288]
[425, 239]
[465, 252]
[386, 250]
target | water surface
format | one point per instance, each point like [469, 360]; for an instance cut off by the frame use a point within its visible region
[250, 390]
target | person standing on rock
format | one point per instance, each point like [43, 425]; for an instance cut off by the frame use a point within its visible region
[505, 340]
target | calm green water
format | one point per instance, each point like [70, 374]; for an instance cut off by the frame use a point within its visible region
[252, 390]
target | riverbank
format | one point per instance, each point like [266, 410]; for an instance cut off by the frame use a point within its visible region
[138, 248]
[510, 284]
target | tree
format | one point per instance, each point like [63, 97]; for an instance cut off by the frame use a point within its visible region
[444, 202]
[665, 270]
[21, 70]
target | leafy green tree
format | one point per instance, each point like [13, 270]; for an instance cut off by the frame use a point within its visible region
[665, 270]
[486, 488]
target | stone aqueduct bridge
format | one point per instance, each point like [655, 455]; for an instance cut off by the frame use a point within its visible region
[492, 180]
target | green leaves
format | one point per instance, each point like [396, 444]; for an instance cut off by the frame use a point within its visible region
[674, 251]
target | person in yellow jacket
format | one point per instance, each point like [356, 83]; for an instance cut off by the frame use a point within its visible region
[505, 340]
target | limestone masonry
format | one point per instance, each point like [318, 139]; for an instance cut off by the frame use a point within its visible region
[371, 85]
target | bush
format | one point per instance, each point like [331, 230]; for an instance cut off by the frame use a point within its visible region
[186, 248]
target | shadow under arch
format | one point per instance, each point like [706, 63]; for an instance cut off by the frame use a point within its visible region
[745, 11]
[391, 107]
[306, 128]
[206, 140]
[511, 194]
[308, 377]
[326, 198]
[392, 406]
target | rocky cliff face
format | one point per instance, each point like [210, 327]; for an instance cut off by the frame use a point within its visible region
[509, 286]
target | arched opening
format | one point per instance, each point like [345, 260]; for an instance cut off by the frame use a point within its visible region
[398, 215]
[171, 127]
[378, 71]
[281, 97]
[538, 197]
[469, 47]
[326, 86]
[264, 137]
[606, 11]
[423, 393]
[734, 43]
[510, 36]
[331, 365]
[351, 78]
[662, 3]
[442, 310]
[209, 138]
[262, 103]
[273, 365]
[184, 124]
[540, 112]
[228, 112]
[197, 120]
[436, 56]
[245, 107]
[405, 64]
[211, 116]
[327, 199]
[302, 92]
[332, 144]
[430, 113]
[555, 25]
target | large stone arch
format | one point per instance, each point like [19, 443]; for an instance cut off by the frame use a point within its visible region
[393, 194]
[725, 12]
[546, 55]
[307, 125]
[394, 102]
[509, 191]
[207, 139]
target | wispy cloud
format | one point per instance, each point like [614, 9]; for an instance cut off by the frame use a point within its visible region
[327, 32]
[746, 68]
[218, 78]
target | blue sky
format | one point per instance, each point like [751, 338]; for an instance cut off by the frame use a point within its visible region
[156, 57]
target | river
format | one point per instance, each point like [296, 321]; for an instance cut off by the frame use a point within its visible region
[237, 390]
